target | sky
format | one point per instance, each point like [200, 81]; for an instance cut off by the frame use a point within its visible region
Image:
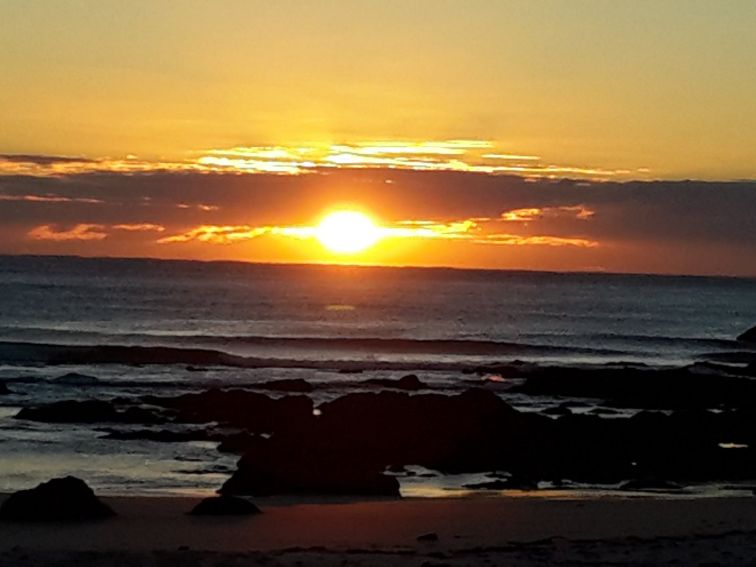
[570, 135]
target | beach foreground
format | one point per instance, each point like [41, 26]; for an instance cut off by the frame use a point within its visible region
[471, 531]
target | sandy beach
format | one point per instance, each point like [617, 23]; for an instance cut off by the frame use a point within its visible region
[470, 531]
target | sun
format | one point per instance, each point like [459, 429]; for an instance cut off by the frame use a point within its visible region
[347, 232]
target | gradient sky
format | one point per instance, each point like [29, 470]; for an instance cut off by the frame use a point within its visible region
[444, 112]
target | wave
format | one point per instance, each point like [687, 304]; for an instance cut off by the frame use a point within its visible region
[46, 353]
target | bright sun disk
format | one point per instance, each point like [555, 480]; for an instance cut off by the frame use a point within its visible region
[347, 232]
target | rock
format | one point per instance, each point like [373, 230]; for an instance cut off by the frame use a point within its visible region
[749, 336]
[559, 410]
[409, 383]
[225, 506]
[432, 536]
[511, 483]
[162, 436]
[287, 385]
[288, 466]
[4, 389]
[60, 499]
[76, 379]
[87, 411]
[238, 443]
[649, 484]
[70, 411]
[641, 387]
[252, 411]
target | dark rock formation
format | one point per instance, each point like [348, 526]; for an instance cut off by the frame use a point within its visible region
[87, 411]
[409, 383]
[225, 506]
[60, 499]
[4, 389]
[348, 447]
[639, 387]
[163, 436]
[252, 411]
[749, 336]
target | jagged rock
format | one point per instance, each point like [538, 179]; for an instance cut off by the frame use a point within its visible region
[409, 383]
[87, 411]
[162, 436]
[60, 499]
[748, 336]
[252, 411]
[225, 506]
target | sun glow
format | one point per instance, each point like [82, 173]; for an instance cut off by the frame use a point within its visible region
[347, 232]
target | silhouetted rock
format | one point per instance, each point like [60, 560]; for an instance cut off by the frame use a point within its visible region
[225, 506]
[238, 443]
[76, 379]
[409, 382]
[252, 411]
[87, 411]
[4, 389]
[641, 387]
[561, 409]
[306, 463]
[286, 385]
[649, 484]
[60, 499]
[432, 536]
[511, 483]
[163, 436]
[749, 336]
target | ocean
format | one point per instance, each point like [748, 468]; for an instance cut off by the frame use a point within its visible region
[313, 322]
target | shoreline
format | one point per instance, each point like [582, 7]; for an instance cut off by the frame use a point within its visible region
[385, 532]
[161, 522]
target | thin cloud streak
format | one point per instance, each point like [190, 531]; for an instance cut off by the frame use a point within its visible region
[81, 231]
[471, 230]
[472, 156]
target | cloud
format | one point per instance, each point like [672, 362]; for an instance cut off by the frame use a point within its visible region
[143, 227]
[41, 159]
[473, 230]
[518, 240]
[229, 234]
[49, 198]
[535, 213]
[677, 226]
[473, 156]
[78, 232]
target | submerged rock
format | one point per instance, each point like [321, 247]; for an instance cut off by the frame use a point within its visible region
[225, 506]
[649, 484]
[60, 499]
[409, 382]
[76, 379]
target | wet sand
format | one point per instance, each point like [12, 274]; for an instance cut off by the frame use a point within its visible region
[497, 530]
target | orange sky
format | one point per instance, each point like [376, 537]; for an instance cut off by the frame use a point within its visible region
[585, 135]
